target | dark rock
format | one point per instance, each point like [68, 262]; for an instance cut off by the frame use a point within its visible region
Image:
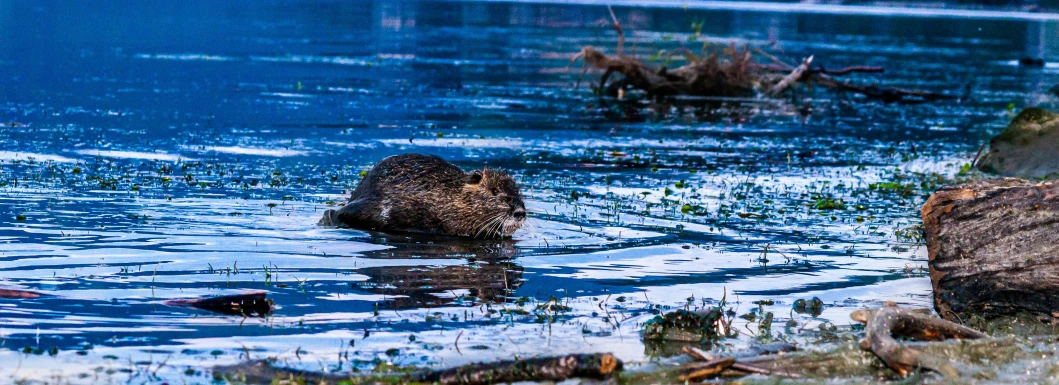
[1026, 149]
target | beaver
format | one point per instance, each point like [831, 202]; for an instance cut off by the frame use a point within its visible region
[427, 194]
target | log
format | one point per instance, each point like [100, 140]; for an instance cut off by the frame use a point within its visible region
[556, 369]
[263, 372]
[18, 294]
[561, 368]
[993, 248]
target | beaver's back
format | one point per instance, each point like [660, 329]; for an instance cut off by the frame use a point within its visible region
[409, 175]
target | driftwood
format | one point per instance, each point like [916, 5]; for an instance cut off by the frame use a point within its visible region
[19, 294]
[743, 367]
[702, 370]
[597, 366]
[994, 248]
[884, 323]
[730, 73]
[263, 372]
[796, 75]
[247, 305]
[560, 368]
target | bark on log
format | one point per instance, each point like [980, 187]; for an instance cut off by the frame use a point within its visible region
[994, 248]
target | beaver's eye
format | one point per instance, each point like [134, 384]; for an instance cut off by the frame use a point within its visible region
[475, 177]
[494, 191]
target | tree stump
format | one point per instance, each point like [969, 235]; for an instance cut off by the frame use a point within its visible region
[994, 248]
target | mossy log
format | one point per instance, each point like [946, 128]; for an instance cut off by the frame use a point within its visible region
[994, 248]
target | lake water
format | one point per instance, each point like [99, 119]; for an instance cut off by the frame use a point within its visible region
[152, 151]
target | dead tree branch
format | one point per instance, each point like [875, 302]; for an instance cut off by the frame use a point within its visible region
[885, 322]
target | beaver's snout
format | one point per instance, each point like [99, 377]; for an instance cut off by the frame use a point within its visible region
[519, 213]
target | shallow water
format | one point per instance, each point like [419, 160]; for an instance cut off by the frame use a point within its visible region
[153, 151]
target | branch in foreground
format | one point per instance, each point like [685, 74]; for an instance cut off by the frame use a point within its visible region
[560, 368]
[597, 366]
[885, 322]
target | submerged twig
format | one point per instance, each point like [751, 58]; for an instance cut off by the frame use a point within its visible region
[248, 304]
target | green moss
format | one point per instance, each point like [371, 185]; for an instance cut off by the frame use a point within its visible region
[683, 325]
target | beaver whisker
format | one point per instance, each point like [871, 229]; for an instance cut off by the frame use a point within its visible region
[499, 227]
[474, 225]
[485, 226]
[488, 224]
[493, 225]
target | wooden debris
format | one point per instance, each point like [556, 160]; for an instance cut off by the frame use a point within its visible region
[796, 75]
[703, 370]
[993, 247]
[885, 322]
[19, 294]
[560, 368]
[262, 372]
[247, 305]
[597, 366]
[702, 355]
[730, 73]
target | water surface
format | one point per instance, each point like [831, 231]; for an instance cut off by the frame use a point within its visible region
[153, 151]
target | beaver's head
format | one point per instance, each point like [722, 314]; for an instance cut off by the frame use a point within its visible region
[492, 204]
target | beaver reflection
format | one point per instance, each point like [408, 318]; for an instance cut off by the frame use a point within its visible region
[489, 273]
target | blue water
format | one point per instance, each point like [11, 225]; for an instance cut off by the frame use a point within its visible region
[164, 151]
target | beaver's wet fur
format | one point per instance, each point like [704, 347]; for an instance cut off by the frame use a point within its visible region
[427, 194]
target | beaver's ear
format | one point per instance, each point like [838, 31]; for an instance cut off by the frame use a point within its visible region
[474, 177]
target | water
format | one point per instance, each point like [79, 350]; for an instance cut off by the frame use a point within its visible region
[170, 151]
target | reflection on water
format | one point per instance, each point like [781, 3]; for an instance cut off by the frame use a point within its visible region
[157, 151]
[489, 274]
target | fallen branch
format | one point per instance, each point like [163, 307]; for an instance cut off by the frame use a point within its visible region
[621, 32]
[736, 75]
[703, 370]
[702, 355]
[887, 95]
[889, 320]
[597, 366]
[262, 372]
[795, 76]
[246, 305]
[821, 70]
[20, 294]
